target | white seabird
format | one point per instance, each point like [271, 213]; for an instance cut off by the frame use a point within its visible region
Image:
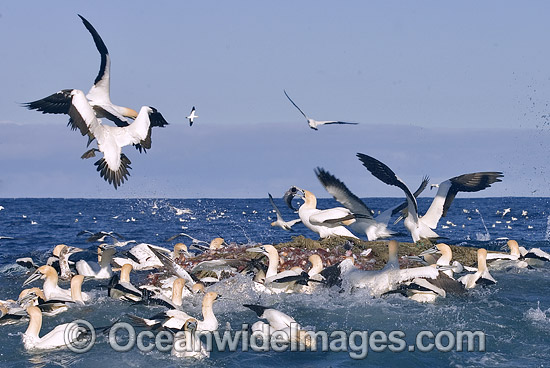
[56, 338]
[121, 288]
[285, 225]
[52, 291]
[99, 94]
[323, 222]
[481, 276]
[313, 124]
[187, 343]
[421, 226]
[101, 270]
[534, 257]
[373, 227]
[192, 116]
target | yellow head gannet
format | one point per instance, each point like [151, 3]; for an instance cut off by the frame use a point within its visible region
[52, 340]
[98, 96]
[313, 124]
[534, 257]
[482, 276]
[192, 116]
[121, 288]
[421, 226]
[285, 225]
[35, 297]
[177, 318]
[373, 227]
[52, 291]
[76, 289]
[324, 222]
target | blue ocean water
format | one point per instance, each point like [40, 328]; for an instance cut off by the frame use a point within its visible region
[514, 314]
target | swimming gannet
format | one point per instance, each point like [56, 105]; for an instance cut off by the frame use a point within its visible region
[421, 226]
[187, 342]
[289, 330]
[373, 227]
[192, 116]
[285, 225]
[534, 257]
[323, 222]
[482, 276]
[388, 278]
[121, 288]
[159, 296]
[101, 270]
[52, 291]
[504, 261]
[141, 257]
[313, 124]
[54, 339]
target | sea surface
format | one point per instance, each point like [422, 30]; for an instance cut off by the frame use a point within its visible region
[514, 314]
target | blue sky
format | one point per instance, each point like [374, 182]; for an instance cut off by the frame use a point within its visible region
[439, 88]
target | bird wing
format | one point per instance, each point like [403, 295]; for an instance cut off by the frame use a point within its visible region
[334, 122]
[57, 103]
[139, 132]
[331, 215]
[341, 193]
[279, 216]
[386, 175]
[296, 106]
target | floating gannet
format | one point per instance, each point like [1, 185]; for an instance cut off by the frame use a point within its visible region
[76, 289]
[445, 259]
[421, 227]
[313, 124]
[482, 276]
[101, 270]
[121, 288]
[52, 291]
[386, 279]
[192, 116]
[187, 343]
[285, 225]
[171, 267]
[35, 297]
[11, 312]
[535, 257]
[373, 227]
[174, 319]
[324, 222]
[101, 236]
[56, 338]
[173, 300]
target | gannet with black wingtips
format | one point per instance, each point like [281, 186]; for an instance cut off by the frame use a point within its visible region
[157, 296]
[534, 257]
[481, 276]
[56, 338]
[35, 297]
[280, 222]
[192, 116]
[275, 282]
[121, 288]
[323, 222]
[98, 270]
[505, 261]
[281, 323]
[421, 227]
[373, 227]
[386, 279]
[99, 94]
[52, 291]
[314, 124]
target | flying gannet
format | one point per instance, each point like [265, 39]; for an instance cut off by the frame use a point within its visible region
[313, 124]
[280, 222]
[421, 226]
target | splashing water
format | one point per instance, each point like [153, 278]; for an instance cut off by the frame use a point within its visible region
[547, 236]
[480, 236]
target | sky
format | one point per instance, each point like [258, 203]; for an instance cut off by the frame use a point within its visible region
[437, 88]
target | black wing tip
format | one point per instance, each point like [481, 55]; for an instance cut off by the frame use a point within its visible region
[118, 177]
[256, 308]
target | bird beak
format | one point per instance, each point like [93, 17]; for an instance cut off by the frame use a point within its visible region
[257, 250]
[432, 250]
[36, 275]
[73, 250]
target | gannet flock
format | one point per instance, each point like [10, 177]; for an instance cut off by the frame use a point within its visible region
[177, 277]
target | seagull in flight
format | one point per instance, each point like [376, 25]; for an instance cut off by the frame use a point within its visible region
[285, 225]
[421, 226]
[313, 124]
[192, 116]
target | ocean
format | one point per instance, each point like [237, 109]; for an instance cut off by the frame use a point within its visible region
[513, 315]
